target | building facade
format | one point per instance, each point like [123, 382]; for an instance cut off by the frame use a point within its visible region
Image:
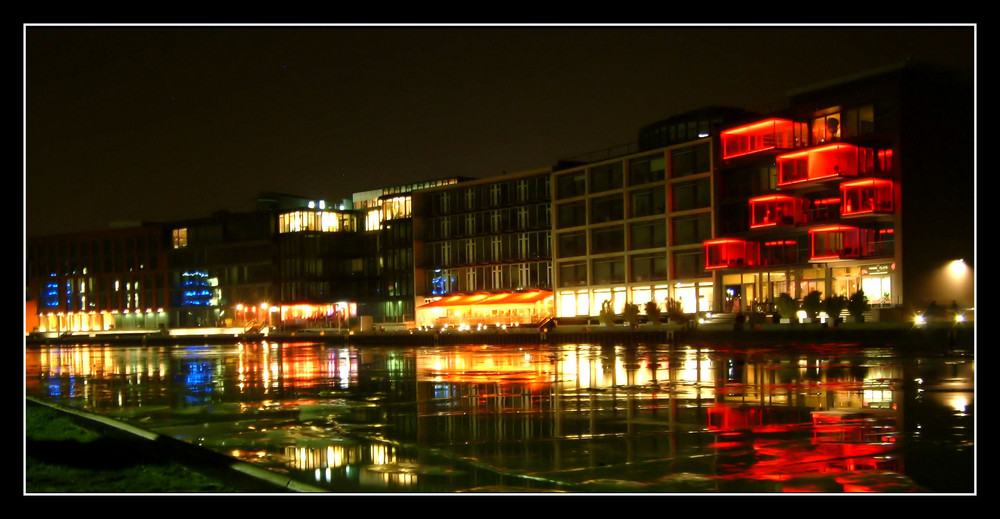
[863, 184]
[222, 270]
[630, 229]
[387, 218]
[99, 281]
[483, 251]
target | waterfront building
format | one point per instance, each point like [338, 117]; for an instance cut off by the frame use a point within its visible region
[483, 251]
[630, 228]
[863, 183]
[222, 270]
[98, 281]
[318, 254]
[386, 216]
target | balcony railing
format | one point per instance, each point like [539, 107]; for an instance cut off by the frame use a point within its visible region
[760, 136]
[824, 162]
[866, 196]
[731, 253]
[776, 210]
[780, 252]
[836, 242]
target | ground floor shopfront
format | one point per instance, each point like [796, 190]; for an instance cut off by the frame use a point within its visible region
[63, 322]
[694, 296]
[486, 309]
[756, 291]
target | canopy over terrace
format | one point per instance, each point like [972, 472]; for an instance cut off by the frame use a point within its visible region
[487, 308]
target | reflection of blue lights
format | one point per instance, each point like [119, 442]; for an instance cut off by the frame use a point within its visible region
[58, 386]
[196, 377]
[443, 391]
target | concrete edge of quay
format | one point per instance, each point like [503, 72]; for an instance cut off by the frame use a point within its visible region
[952, 335]
[244, 476]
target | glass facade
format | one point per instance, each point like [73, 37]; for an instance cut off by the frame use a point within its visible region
[657, 203]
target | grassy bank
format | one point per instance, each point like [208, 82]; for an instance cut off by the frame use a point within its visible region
[64, 455]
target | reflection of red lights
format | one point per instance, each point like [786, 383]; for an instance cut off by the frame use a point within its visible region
[725, 445]
[843, 443]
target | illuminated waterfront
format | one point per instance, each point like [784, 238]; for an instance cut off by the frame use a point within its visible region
[574, 417]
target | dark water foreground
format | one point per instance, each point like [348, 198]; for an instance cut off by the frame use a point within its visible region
[645, 417]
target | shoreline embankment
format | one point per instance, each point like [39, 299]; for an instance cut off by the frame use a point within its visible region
[950, 335]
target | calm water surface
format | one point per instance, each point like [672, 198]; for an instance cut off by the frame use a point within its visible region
[573, 418]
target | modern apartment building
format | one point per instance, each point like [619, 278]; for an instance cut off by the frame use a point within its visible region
[864, 183]
[482, 251]
[631, 228]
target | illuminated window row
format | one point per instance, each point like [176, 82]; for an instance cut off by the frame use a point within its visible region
[319, 221]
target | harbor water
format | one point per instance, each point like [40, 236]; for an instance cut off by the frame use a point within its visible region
[538, 418]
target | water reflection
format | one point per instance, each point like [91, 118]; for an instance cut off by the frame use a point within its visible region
[578, 417]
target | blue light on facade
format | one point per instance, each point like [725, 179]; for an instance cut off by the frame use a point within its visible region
[197, 290]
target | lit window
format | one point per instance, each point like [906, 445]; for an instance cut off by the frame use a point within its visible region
[180, 238]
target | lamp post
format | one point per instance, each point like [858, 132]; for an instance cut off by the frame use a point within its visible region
[242, 321]
[264, 309]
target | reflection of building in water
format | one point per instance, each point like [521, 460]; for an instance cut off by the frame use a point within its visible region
[524, 408]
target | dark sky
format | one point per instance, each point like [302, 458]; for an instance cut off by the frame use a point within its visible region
[167, 123]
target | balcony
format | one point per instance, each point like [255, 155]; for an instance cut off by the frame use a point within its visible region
[841, 242]
[776, 210]
[825, 162]
[730, 253]
[866, 196]
[770, 134]
[779, 252]
[823, 210]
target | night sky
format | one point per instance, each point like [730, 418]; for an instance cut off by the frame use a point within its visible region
[168, 123]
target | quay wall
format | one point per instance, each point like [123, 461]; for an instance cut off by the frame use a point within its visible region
[901, 334]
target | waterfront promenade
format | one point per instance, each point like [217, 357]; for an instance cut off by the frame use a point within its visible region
[936, 333]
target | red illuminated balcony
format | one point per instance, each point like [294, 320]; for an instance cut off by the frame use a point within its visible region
[776, 210]
[846, 242]
[760, 136]
[866, 196]
[824, 162]
[730, 253]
